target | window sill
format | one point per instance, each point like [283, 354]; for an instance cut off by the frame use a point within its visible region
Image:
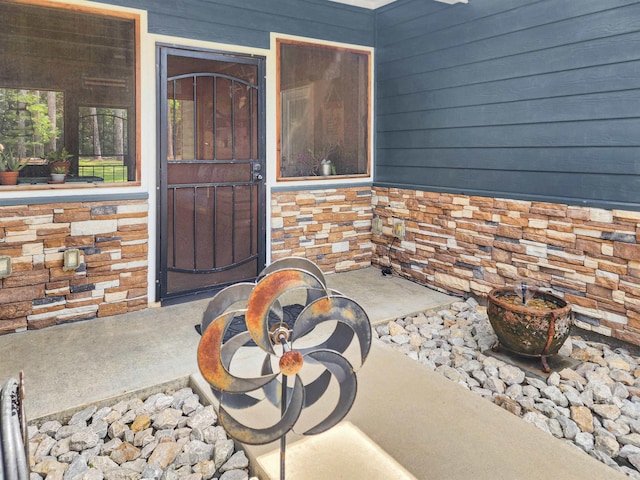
[42, 180]
[42, 183]
[318, 178]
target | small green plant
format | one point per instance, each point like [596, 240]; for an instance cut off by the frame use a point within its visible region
[9, 163]
[59, 168]
[61, 155]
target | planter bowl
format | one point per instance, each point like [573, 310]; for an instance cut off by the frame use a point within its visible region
[526, 330]
[9, 178]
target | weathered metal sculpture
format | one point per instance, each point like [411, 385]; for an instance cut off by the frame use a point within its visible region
[298, 360]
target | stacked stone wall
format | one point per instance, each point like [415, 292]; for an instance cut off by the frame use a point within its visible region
[331, 227]
[470, 244]
[113, 240]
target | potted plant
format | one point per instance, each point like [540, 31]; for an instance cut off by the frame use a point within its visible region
[58, 172]
[321, 162]
[10, 166]
[59, 161]
[528, 321]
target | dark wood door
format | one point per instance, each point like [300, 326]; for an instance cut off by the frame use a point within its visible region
[212, 209]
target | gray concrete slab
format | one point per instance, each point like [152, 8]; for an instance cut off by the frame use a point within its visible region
[80, 363]
[388, 297]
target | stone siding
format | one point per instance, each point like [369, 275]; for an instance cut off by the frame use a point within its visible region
[112, 278]
[331, 227]
[470, 244]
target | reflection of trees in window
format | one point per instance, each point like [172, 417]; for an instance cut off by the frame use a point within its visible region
[103, 133]
[324, 109]
[31, 121]
[102, 143]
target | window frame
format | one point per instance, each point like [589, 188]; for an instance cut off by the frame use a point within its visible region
[136, 104]
[279, 97]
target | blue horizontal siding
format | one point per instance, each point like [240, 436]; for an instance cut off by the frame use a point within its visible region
[607, 189]
[507, 98]
[606, 51]
[592, 106]
[250, 22]
[593, 160]
[533, 27]
[579, 81]
[595, 133]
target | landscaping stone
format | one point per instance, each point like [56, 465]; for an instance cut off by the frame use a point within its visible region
[150, 439]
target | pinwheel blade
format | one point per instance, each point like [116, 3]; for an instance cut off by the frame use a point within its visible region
[261, 436]
[265, 294]
[295, 263]
[338, 341]
[211, 364]
[341, 309]
[238, 401]
[342, 370]
[238, 292]
[230, 348]
[235, 400]
[312, 391]
[299, 263]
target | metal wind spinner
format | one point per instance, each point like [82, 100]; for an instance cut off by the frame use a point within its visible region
[257, 341]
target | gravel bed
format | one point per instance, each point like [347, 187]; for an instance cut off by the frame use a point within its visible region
[594, 406]
[166, 436]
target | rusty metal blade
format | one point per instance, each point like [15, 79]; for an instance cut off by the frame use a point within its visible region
[299, 263]
[238, 292]
[341, 309]
[342, 370]
[211, 365]
[265, 294]
[295, 263]
[250, 436]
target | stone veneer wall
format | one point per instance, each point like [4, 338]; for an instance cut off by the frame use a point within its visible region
[470, 244]
[112, 279]
[331, 227]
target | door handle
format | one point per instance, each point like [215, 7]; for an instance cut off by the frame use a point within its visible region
[257, 177]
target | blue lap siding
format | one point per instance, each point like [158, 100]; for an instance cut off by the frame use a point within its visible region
[521, 99]
[249, 22]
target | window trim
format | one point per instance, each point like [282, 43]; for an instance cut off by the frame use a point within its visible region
[369, 146]
[137, 97]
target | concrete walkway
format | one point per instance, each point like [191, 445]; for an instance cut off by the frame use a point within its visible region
[407, 422]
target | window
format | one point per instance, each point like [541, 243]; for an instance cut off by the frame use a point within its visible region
[68, 79]
[324, 111]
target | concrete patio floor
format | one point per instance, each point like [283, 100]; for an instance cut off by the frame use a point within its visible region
[407, 422]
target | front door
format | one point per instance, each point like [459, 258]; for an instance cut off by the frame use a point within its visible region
[212, 207]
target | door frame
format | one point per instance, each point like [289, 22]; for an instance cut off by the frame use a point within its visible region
[162, 51]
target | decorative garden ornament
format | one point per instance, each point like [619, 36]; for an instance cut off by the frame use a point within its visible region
[528, 321]
[299, 352]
